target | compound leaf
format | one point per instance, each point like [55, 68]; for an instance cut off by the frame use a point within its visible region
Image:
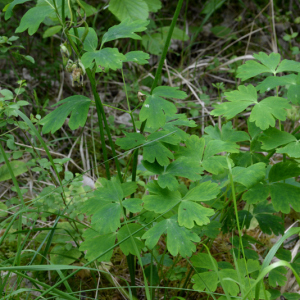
[138, 57]
[131, 140]
[239, 100]
[90, 42]
[59, 255]
[215, 164]
[9, 7]
[263, 213]
[271, 82]
[272, 138]
[34, 17]
[154, 167]
[230, 109]
[133, 9]
[18, 167]
[94, 244]
[179, 239]
[289, 66]
[278, 277]
[249, 176]
[112, 191]
[185, 167]
[285, 195]
[269, 223]
[266, 111]
[204, 260]
[155, 110]
[129, 188]
[217, 146]
[205, 191]
[169, 92]
[292, 149]
[107, 218]
[51, 31]
[284, 170]
[270, 61]
[217, 142]
[227, 134]
[253, 68]
[228, 277]
[77, 105]
[211, 230]
[205, 280]
[153, 5]
[134, 205]
[160, 199]
[168, 181]
[244, 93]
[194, 148]
[105, 59]
[190, 212]
[257, 193]
[157, 151]
[132, 244]
[293, 93]
[126, 29]
[105, 207]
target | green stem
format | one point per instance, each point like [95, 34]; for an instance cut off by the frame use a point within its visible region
[100, 124]
[100, 112]
[236, 214]
[157, 77]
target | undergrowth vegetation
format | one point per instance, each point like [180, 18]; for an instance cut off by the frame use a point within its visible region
[149, 150]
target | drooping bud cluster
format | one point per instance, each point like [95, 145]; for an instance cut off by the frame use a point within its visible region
[76, 69]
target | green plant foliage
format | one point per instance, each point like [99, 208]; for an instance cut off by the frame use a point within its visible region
[155, 108]
[272, 82]
[266, 111]
[263, 213]
[263, 113]
[90, 42]
[153, 5]
[278, 277]
[155, 41]
[96, 243]
[172, 193]
[131, 140]
[77, 105]
[105, 207]
[249, 176]
[183, 167]
[62, 255]
[133, 244]
[252, 68]
[179, 239]
[105, 59]
[273, 138]
[52, 30]
[18, 168]
[134, 205]
[133, 9]
[34, 17]
[126, 29]
[9, 7]
[138, 57]
[284, 170]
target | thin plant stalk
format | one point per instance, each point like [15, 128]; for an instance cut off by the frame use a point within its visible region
[157, 77]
